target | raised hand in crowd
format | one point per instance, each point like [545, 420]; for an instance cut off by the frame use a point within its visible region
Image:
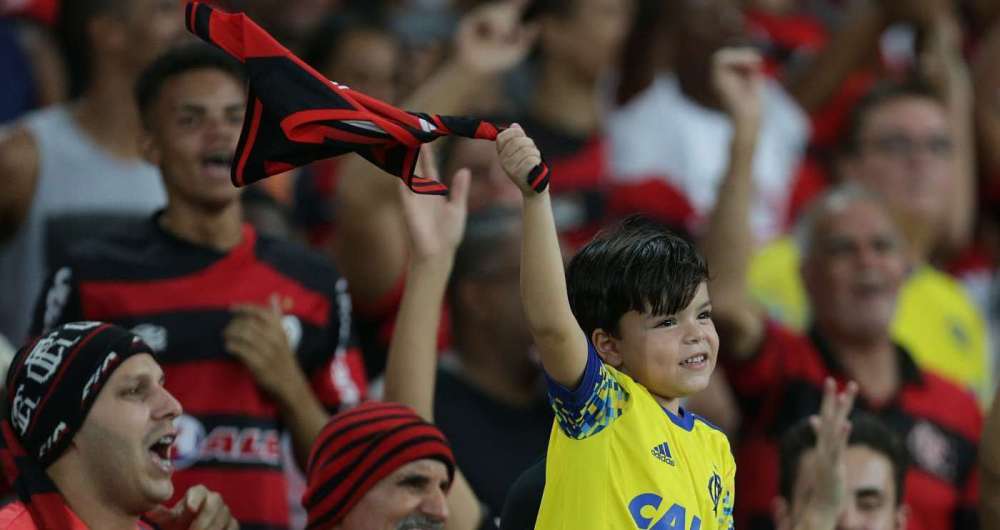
[434, 228]
[944, 66]
[491, 38]
[738, 79]
[257, 337]
[827, 499]
[518, 156]
[199, 509]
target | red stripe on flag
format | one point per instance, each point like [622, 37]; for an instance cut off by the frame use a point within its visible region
[541, 176]
[486, 131]
[248, 144]
[191, 9]
[303, 127]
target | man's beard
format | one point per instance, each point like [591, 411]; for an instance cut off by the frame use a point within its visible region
[420, 522]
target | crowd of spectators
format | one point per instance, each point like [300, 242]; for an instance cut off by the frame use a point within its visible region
[836, 161]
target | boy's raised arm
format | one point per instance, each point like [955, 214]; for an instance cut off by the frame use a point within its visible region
[560, 341]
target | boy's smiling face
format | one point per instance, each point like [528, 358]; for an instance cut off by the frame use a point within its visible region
[671, 355]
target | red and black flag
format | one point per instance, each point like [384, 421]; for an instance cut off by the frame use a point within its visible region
[296, 116]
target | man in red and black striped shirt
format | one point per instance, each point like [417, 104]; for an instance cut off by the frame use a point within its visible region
[253, 333]
[853, 265]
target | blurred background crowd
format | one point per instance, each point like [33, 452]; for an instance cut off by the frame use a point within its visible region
[901, 97]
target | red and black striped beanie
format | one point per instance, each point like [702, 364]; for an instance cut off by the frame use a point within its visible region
[53, 381]
[358, 448]
[52, 384]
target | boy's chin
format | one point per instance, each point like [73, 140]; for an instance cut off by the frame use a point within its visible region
[692, 385]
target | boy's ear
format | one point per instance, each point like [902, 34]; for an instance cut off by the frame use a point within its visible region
[607, 347]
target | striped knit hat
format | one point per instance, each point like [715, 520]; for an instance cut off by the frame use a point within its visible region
[52, 384]
[54, 380]
[360, 447]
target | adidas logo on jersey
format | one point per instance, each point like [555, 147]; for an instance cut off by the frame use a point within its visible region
[662, 453]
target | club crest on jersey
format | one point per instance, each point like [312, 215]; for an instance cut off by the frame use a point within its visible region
[715, 491]
[662, 453]
[645, 508]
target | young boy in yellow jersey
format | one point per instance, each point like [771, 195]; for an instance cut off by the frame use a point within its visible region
[624, 334]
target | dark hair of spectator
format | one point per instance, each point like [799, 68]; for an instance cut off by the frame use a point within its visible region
[881, 94]
[866, 430]
[324, 43]
[177, 61]
[636, 264]
[72, 28]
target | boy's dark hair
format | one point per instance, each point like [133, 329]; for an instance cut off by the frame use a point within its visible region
[177, 61]
[881, 94]
[636, 264]
[866, 430]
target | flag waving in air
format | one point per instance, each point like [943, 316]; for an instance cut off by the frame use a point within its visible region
[296, 116]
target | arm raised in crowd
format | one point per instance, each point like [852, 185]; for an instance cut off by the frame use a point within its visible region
[370, 246]
[561, 343]
[729, 242]
[434, 228]
[944, 66]
[828, 498]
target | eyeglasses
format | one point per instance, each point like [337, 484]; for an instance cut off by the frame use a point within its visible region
[902, 146]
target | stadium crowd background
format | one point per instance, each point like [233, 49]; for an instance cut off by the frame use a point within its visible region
[899, 97]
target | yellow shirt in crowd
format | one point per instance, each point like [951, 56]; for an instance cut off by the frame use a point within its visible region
[935, 319]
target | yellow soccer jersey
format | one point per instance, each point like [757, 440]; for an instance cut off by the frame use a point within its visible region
[618, 460]
[935, 319]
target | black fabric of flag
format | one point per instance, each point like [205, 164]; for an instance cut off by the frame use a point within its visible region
[296, 116]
